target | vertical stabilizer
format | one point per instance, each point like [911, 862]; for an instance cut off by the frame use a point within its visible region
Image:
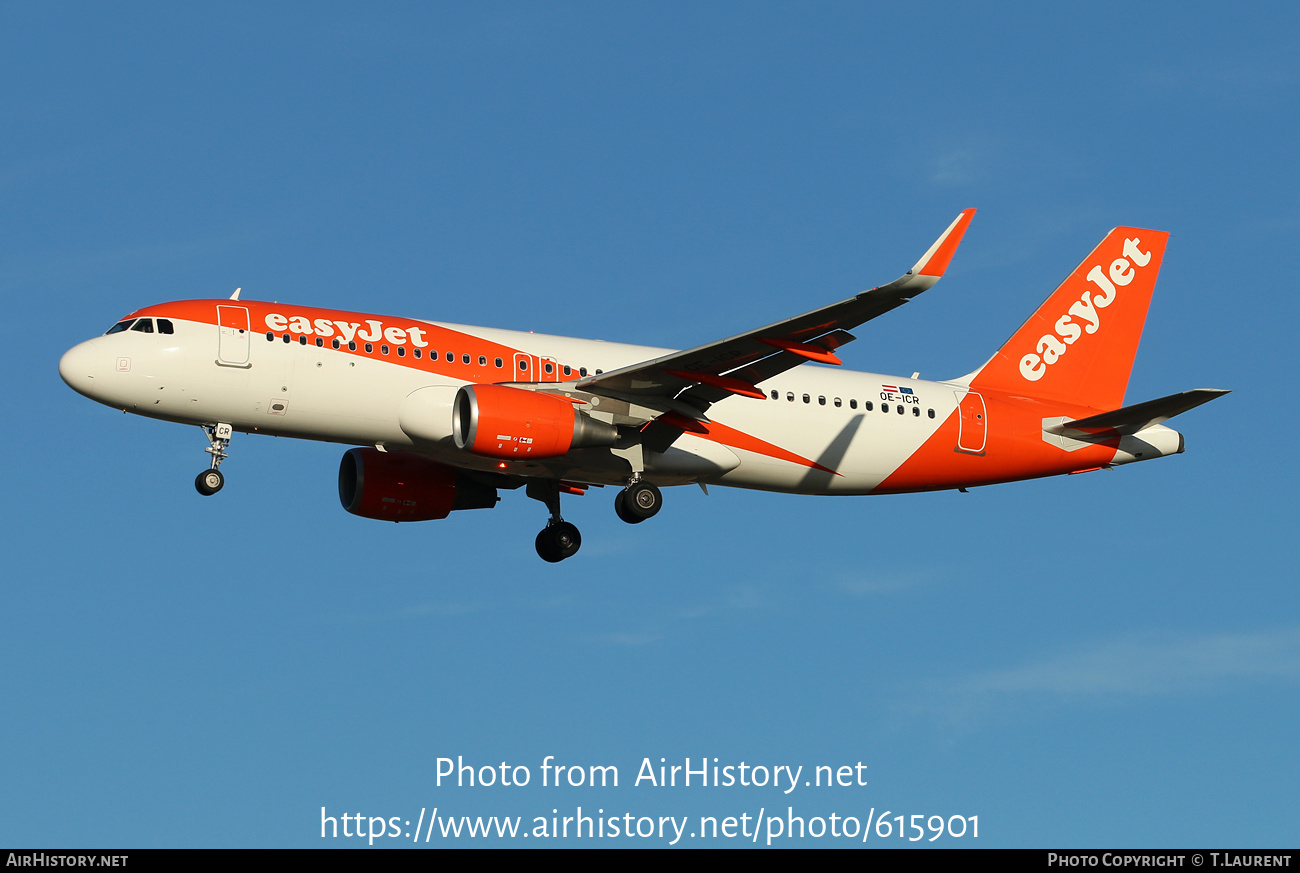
[1080, 344]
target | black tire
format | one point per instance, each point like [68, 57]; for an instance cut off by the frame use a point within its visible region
[546, 548]
[621, 511]
[642, 500]
[567, 539]
[558, 541]
[209, 482]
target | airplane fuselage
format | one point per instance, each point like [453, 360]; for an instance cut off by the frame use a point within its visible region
[274, 370]
[449, 414]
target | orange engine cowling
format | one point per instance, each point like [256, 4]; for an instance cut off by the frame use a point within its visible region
[502, 422]
[395, 486]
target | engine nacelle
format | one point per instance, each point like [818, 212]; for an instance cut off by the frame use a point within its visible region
[395, 486]
[425, 414]
[502, 422]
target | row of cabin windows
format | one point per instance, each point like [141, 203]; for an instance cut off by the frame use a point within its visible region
[142, 325]
[869, 406]
[547, 366]
[146, 325]
[465, 358]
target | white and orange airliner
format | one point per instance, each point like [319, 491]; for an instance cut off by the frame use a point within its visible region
[445, 415]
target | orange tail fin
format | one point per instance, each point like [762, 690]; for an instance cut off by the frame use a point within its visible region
[1080, 344]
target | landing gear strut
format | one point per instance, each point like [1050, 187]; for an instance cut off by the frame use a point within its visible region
[638, 501]
[210, 481]
[559, 539]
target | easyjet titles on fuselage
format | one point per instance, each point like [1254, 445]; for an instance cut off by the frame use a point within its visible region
[348, 331]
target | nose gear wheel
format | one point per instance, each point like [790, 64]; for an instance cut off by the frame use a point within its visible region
[209, 482]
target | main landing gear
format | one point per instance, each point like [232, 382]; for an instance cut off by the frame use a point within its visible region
[210, 481]
[559, 539]
[638, 501]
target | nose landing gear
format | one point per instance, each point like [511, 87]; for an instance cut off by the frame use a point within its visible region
[210, 481]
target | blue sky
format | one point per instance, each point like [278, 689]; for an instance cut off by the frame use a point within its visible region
[1101, 660]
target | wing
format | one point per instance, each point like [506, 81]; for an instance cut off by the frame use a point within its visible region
[689, 382]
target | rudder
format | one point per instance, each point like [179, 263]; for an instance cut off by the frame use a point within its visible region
[1080, 344]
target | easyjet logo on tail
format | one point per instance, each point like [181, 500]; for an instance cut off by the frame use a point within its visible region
[1052, 346]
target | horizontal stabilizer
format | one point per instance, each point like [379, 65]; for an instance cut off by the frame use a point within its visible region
[1131, 419]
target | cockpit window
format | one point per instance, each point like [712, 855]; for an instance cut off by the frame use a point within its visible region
[144, 325]
[120, 326]
[165, 326]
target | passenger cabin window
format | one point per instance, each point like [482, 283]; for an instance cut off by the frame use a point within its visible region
[500, 363]
[144, 325]
[853, 404]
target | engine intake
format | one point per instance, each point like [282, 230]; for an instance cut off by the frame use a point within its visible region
[502, 422]
[395, 486]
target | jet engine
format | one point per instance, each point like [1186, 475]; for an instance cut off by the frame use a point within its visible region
[502, 422]
[395, 486]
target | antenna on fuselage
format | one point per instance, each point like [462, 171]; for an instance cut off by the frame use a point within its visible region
[235, 296]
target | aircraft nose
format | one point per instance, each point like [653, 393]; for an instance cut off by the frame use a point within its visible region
[77, 367]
